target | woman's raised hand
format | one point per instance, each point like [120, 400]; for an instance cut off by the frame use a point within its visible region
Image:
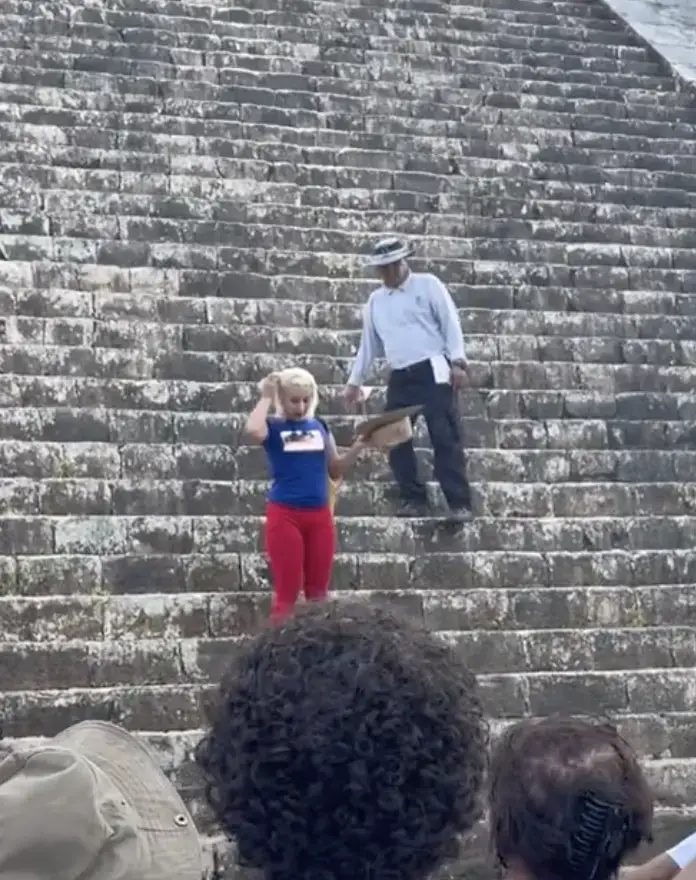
[270, 386]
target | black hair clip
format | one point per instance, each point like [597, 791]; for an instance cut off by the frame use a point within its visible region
[599, 836]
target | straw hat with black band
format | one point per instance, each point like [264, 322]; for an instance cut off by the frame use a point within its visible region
[92, 804]
[389, 429]
[388, 251]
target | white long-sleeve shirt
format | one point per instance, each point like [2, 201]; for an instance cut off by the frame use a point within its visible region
[405, 325]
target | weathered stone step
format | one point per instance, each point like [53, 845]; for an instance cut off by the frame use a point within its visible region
[175, 32]
[494, 216]
[144, 536]
[649, 92]
[335, 98]
[271, 165]
[146, 176]
[486, 609]
[493, 134]
[659, 118]
[209, 353]
[318, 294]
[565, 340]
[343, 166]
[166, 47]
[352, 54]
[233, 203]
[208, 18]
[219, 323]
[64, 375]
[123, 662]
[617, 252]
[197, 446]
[505, 272]
[153, 295]
[612, 244]
[78, 317]
[175, 461]
[363, 10]
[29, 69]
[505, 420]
[359, 48]
[576, 265]
[633, 109]
[288, 251]
[180, 81]
[360, 8]
[46, 713]
[552, 656]
[550, 489]
[599, 410]
[60, 222]
[328, 165]
[484, 466]
[207, 32]
[184, 170]
[490, 554]
[500, 110]
[177, 707]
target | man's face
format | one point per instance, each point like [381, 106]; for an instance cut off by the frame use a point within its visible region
[393, 274]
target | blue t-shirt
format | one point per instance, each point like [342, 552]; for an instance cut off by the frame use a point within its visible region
[298, 456]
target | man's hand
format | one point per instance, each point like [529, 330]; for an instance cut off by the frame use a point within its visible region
[352, 394]
[459, 377]
[360, 444]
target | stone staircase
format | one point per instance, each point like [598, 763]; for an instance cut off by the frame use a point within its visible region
[184, 192]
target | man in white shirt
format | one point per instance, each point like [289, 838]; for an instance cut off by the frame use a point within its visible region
[412, 323]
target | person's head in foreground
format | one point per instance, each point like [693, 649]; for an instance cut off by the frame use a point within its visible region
[389, 260]
[347, 744]
[568, 801]
[92, 804]
[296, 394]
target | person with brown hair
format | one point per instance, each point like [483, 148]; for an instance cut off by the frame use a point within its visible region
[568, 800]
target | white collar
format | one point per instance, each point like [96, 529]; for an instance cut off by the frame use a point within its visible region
[402, 287]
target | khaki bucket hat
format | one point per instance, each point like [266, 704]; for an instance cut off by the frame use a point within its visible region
[92, 804]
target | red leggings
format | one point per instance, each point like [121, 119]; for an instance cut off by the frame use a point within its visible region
[300, 543]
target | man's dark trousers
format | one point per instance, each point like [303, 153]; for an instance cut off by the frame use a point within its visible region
[416, 385]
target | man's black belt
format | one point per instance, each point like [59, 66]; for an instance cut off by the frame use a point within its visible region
[414, 368]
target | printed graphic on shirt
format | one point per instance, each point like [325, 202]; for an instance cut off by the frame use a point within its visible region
[302, 441]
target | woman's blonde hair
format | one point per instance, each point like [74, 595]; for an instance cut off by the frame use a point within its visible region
[298, 379]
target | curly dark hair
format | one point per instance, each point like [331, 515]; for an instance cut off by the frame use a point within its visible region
[567, 798]
[346, 744]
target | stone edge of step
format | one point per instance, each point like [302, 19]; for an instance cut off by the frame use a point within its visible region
[651, 27]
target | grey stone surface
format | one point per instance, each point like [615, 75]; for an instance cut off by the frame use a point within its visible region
[184, 194]
[669, 26]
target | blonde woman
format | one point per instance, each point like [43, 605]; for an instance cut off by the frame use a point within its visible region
[302, 455]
